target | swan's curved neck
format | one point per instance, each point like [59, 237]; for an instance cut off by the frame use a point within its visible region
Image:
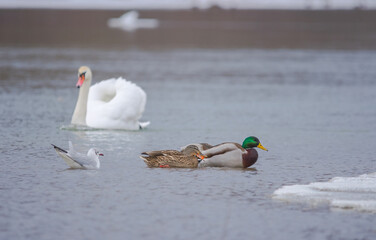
[79, 115]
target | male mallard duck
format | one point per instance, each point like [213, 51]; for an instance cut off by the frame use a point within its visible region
[230, 154]
[187, 158]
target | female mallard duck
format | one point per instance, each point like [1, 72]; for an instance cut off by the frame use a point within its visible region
[229, 154]
[187, 158]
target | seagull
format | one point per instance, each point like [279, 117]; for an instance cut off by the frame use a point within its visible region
[78, 160]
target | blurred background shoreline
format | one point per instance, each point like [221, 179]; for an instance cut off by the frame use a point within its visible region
[195, 28]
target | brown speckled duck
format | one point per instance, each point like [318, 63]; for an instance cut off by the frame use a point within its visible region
[187, 158]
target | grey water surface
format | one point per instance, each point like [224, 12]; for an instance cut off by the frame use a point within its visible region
[315, 110]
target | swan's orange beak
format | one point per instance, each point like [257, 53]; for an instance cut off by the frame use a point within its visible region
[80, 81]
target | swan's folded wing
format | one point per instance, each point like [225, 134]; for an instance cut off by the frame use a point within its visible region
[129, 102]
[115, 103]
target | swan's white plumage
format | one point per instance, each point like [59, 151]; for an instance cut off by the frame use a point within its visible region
[109, 104]
[115, 104]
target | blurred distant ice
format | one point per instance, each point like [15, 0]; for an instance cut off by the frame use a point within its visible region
[130, 21]
[187, 4]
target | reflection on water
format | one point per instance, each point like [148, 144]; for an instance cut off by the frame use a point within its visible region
[310, 108]
[72, 127]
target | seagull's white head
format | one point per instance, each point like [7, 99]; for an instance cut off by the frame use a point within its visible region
[95, 152]
[98, 153]
[94, 155]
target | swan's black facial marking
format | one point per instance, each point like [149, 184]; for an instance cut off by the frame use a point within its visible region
[81, 79]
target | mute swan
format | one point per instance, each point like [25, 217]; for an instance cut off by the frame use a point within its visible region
[109, 104]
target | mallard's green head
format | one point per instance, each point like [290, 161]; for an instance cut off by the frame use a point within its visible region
[251, 142]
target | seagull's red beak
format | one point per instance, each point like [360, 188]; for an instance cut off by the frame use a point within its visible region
[100, 154]
[81, 80]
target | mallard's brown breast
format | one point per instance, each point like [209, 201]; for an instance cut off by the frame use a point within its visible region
[250, 157]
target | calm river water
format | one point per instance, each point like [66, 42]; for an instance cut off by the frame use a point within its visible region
[315, 110]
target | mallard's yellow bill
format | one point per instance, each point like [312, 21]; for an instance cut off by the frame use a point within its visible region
[201, 156]
[262, 147]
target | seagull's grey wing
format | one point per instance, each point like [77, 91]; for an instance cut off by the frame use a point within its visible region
[67, 158]
[57, 149]
[80, 158]
[83, 159]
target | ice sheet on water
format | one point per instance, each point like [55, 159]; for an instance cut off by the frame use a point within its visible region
[358, 193]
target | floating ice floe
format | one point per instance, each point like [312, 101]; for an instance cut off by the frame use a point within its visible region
[358, 193]
[130, 22]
